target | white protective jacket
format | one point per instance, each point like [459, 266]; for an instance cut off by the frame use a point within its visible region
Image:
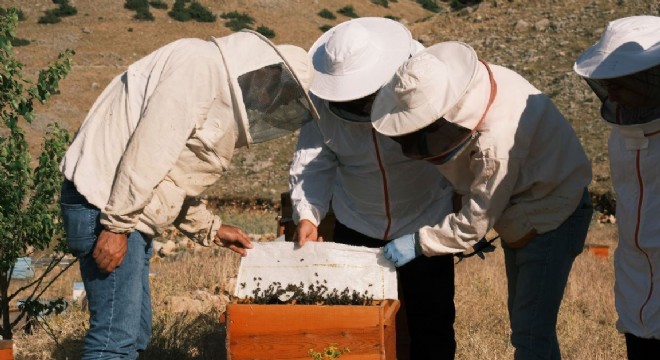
[526, 170]
[375, 190]
[634, 152]
[163, 132]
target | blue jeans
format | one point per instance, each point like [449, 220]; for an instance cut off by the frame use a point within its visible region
[536, 276]
[119, 302]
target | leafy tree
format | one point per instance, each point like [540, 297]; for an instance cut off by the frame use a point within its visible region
[29, 210]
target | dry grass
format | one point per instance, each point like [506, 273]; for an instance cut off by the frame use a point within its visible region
[585, 327]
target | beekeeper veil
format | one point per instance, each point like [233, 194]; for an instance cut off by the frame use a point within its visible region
[269, 85]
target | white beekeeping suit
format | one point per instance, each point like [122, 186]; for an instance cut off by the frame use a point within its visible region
[163, 131]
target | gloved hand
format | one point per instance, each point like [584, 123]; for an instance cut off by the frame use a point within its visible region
[403, 249]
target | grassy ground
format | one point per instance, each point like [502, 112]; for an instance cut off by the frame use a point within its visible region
[585, 327]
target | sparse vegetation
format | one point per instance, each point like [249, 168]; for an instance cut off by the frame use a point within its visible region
[266, 31]
[348, 11]
[430, 5]
[158, 4]
[193, 11]
[383, 3]
[327, 14]
[237, 21]
[460, 4]
[54, 16]
[141, 8]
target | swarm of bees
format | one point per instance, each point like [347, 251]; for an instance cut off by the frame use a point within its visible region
[313, 294]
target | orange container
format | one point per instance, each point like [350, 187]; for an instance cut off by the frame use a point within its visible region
[288, 332]
[6, 350]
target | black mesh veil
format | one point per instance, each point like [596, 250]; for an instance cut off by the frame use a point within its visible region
[274, 101]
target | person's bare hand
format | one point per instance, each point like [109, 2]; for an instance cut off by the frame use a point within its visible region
[306, 231]
[110, 250]
[233, 238]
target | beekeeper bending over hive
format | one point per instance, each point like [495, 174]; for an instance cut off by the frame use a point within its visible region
[516, 162]
[158, 136]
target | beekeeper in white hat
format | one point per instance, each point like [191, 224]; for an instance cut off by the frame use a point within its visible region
[160, 134]
[374, 193]
[517, 165]
[623, 69]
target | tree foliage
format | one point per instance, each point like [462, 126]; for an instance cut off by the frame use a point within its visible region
[29, 210]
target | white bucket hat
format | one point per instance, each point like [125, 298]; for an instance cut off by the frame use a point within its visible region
[427, 87]
[355, 58]
[627, 46]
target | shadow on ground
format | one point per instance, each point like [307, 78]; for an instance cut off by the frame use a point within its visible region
[175, 336]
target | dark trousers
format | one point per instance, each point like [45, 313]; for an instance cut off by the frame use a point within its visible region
[642, 349]
[427, 284]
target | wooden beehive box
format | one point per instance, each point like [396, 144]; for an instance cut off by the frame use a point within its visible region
[288, 332]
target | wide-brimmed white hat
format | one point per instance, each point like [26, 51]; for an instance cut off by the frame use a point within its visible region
[426, 88]
[355, 58]
[627, 46]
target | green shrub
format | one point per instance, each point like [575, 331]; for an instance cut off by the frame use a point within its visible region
[144, 15]
[53, 16]
[325, 27]
[392, 17]
[348, 11]
[195, 11]
[237, 21]
[16, 42]
[266, 31]
[136, 5]
[178, 11]
[430, 5]
[64, 9]
[460, 4]
[327, 14]
[158, 4]
[49, 17]
[199, 13]
[383, 3]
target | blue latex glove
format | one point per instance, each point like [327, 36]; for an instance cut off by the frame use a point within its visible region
[403, 249]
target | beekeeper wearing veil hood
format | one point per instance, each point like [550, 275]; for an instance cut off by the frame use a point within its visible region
[159, 135]
[623, 70]
[517, 165]
[373, 187]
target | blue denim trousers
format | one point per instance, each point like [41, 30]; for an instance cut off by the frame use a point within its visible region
[119, 302]
[536, 276]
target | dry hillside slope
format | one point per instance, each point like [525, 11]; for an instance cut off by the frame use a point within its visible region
[538, 38]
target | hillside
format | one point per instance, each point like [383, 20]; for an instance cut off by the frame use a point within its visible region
[538, 38]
